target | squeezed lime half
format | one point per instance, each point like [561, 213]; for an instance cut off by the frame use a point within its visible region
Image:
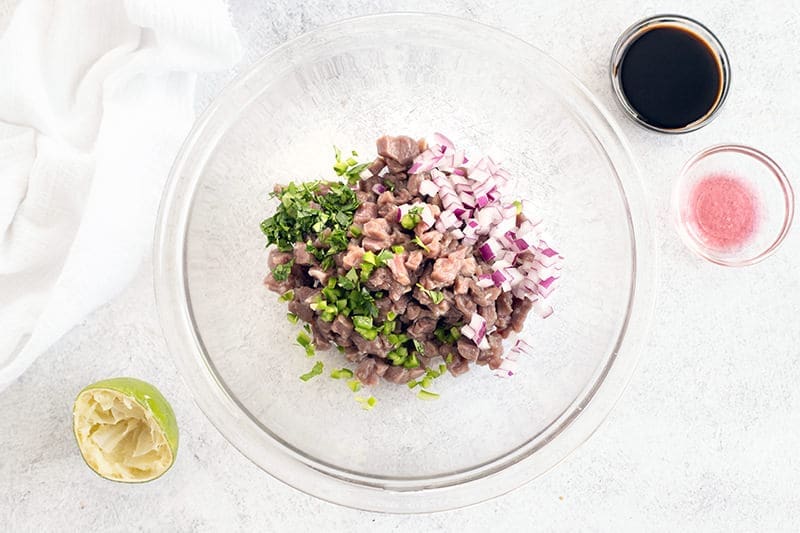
[126, 430]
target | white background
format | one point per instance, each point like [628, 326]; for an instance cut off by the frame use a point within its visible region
[705, 438]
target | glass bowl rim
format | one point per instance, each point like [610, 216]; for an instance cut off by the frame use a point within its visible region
[277, 459]
[775, 171]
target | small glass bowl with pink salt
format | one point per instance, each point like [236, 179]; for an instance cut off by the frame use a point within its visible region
[732, 205]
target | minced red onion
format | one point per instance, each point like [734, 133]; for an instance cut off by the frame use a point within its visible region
[521, 244]
[485, 281]
[427, 216]
[428, 188]
[474, 212]
[478, 323]
[476, 331]
[520, 346]
[501, 263]
[549, 252]
[448, 220]
[547, 282]
[498, 277]
[487, 250]
[467, 199]
[507, 368]
[443, 142]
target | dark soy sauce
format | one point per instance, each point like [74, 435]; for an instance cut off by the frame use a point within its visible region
[671, 77]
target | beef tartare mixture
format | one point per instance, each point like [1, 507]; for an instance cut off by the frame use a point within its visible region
[416, 261]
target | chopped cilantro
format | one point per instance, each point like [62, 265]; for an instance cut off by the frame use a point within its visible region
[370, 261]
[331, 292]
[354, 385]
[398, 249]
[291, 317]
[364, 327]
[416, 240]
[411, 361]
[340, 373]
[281, 272]
[287, 296]
[436, 296]
[447, 335]
[326, 263]
[397, 339]
[344, 295]
[349, 281]
[318, 214]
[367, 403]
[366, 270]
[412, 217]
[383, 257]
[315, 371]
[426, 382]
[419, 347]
[362, 303]
[369, 258]
[427, 395]
[348, 168]
[305, 341]
[398, 356]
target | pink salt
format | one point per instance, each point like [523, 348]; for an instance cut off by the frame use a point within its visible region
[725, 211]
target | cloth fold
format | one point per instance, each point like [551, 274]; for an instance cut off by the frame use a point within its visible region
[95, 98]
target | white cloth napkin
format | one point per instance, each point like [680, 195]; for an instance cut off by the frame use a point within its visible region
[95, 99]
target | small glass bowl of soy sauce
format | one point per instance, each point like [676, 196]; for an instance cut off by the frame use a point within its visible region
[670, 73]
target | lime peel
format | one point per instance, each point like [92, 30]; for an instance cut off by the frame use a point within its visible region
[126, 430]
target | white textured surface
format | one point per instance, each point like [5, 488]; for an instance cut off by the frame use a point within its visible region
[706, 436]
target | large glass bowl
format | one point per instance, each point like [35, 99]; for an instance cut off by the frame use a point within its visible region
[347, 84]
